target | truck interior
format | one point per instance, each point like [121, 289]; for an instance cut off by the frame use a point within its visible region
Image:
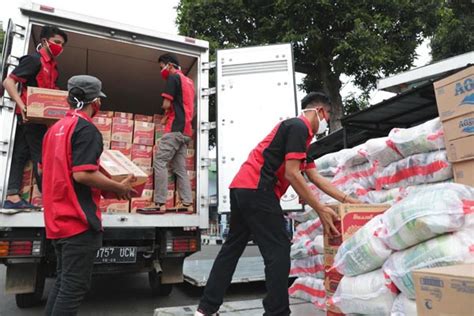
[130, 73]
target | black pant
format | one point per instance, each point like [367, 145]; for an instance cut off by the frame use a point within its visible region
[75, 260]
[259, 213]
[28, 144]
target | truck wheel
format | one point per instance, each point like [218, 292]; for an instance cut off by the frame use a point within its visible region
[33, 299]
[157, 288]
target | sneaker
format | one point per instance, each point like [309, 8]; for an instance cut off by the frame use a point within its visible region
[22, 204]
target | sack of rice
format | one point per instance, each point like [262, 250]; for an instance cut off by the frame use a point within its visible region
[306, 247]
[309, 230]
[311, 266]
[403, 306]
[379, 151]
[309, 289]
[361, 175]
[352, 156]
[327, 165]
[307, 215]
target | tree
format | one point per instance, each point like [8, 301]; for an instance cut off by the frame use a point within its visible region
[363, 39]
[454, 34]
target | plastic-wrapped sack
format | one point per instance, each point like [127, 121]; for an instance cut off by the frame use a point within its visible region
[352, 156]
[423, 138]
[327, 165]
[426, 213]
[369, 294]
[361, 175]
[403, 306]
[445, 250]
[379, 151]
[311, 266]
[309, 230]
[364, 251]
[309, 289]
[389, 196]
[414, 170]
[306, 247]
[308, 215]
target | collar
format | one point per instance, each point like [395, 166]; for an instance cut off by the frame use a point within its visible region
[307, 123]
[44, 54]
[80, 114]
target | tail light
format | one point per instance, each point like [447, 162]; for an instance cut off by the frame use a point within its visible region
[180, 244]
[20, 248]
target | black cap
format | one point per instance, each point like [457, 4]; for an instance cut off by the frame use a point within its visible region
[91, 86]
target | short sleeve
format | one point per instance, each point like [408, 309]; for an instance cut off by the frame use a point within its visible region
[309, 163]
[28, 68]
[86, 147]
[172, 87]
[295, 147]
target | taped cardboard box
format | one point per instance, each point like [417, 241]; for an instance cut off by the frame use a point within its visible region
[140, 202]
[144, 133]
[445, 290]
[46, 105]
[464, 172]
[114, 206]
[104, 125]
[116, 166]
[459, 127]
[122, 130]
[143, 118]
[124, 115]
[460, 149]
[142, 155]
[455, 94]
[106, 114]
[124, 147]
[106, 144]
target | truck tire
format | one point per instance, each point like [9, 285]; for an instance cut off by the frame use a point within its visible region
[27, 300]
[157, 288]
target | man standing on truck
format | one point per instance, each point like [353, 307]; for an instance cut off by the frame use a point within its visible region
[72, 185]
[36, 70]
[276, 163]
[178, 104]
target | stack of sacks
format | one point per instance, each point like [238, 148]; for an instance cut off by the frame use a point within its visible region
[307, 263]
[435, 221]
[403, 306]
[307, 215]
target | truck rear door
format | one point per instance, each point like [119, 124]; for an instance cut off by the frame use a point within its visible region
[255, 90]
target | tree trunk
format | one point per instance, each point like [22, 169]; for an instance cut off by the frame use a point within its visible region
[332, 86]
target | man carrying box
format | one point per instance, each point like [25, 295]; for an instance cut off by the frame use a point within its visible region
[35, 70]
[72, 185]
[276, 163]
[178, 103]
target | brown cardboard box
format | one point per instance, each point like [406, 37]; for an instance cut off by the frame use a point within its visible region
[124, 115]
[148, 194]
[460, 149]
[114, 206]
[122, 130]
[46, 105]
[104, 125]
[117, 167]
[106, 144]
[144, 133]
[107, 114]
[445, 290]
[455, 94]
[36, 198]
[144, 118]
[458, 127]
[140, 202]
[142, 155]
[157, 119]
[464, 172]
[124, 147]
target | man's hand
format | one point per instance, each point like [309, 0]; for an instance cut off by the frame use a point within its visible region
[24, 119]
[126, 188]
[352, 200]
[327, 217]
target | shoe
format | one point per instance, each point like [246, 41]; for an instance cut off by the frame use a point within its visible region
[22, 204]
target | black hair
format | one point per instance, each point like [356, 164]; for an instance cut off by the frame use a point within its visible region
[168, 59]
[49, 31]
[76, 93]
[315, 97]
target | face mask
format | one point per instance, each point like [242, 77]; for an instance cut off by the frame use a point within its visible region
[165, 72]
[323, 124]
[55, 49]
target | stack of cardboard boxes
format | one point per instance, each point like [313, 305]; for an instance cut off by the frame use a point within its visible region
[455, 100]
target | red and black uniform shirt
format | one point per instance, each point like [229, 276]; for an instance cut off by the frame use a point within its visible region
[265, 165]
[180, 91]
[35, 70]
[71, 145]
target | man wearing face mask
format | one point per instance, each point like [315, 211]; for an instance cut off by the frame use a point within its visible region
[276, 163]
[35, 70]
[178, 104]
[71, 194]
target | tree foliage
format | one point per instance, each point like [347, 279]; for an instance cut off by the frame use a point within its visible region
[363, 39]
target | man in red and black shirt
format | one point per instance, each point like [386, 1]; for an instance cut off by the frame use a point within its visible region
[178, 104]
[72, 187]
[276, 163]
[35, 70]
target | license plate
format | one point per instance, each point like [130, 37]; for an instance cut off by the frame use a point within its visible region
[116, 255]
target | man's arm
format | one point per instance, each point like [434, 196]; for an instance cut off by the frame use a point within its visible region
[10, 85]
[328, 188]
[297, 181]
[98, 180]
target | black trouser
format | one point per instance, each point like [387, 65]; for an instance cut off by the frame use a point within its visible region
[28, 144]
[255, 212]
[75, 260]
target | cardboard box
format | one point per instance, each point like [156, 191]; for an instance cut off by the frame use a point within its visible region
[104, 125]
[445, 290]
[458, 127]
[124, 115]
[157, 119]
[114, 206]
[464, 172]
[144, 133]
[148, 194]
[142, 155]
[143, 118]
[124, 147]
[116, 166]
[460, 149]
[122, 130]
[36, 198]
[46, 105]
[107, 114]
[106, 144]
[455, 94]
[136, 203]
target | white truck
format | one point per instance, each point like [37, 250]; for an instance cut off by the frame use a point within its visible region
[255, 88]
